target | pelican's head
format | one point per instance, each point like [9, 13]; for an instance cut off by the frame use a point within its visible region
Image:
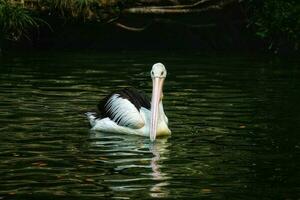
[158, 75]
[158, 71]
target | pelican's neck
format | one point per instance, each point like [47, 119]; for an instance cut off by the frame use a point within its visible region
[160, 109]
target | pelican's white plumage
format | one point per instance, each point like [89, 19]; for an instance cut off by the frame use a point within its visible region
[128, 111]
[125, 111]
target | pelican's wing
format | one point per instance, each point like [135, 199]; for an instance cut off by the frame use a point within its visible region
[123, 107]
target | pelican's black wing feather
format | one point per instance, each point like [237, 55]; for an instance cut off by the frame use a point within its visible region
[138, 99]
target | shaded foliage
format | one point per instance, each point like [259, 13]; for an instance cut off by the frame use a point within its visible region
[15, 21]
[277, 22]
[84, 9]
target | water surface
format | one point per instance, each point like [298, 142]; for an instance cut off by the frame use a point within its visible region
[235, 124]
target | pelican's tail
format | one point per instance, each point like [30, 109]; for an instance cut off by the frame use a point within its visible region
[92, 117]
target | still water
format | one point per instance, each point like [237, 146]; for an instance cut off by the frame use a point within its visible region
[235, 124]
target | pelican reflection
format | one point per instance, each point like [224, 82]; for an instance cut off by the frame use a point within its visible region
[131, 157]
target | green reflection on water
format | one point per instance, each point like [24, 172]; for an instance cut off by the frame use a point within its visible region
[234, 121]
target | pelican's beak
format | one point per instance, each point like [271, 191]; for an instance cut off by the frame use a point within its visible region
[156, 98]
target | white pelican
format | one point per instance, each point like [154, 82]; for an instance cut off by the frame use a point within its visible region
[128, 111]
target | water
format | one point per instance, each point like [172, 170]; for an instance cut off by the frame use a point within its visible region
[235, 124]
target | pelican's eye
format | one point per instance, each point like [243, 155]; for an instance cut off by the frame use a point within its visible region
[161, 73]
[152, 73]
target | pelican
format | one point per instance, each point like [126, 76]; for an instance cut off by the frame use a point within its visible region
[129, 111]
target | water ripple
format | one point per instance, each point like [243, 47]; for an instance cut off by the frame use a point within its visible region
[233, 120]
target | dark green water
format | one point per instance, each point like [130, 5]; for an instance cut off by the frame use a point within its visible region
[235, 124]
